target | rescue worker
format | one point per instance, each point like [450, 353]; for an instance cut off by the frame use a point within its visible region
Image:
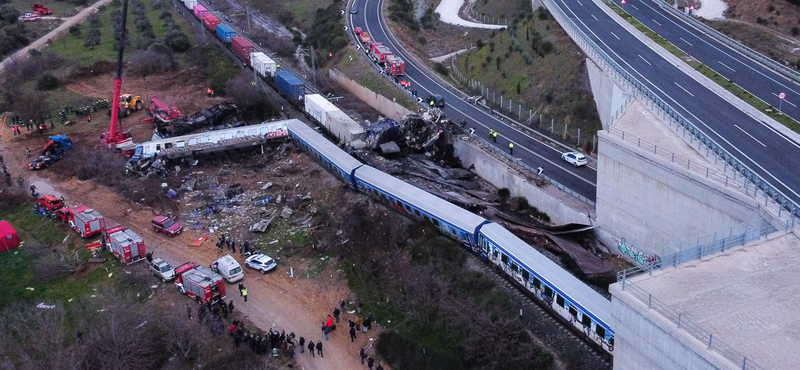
[494, 136]
[463, 123]
[33, 189]
[244, 294]
[27, 152]
[511, 148]
[491, 131]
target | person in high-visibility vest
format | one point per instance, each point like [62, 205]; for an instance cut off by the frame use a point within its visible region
[491, 132]
[510, 149]
[494, 136]
[244, 294]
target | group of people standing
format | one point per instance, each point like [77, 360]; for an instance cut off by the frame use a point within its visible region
[355, 326]
[225, 241]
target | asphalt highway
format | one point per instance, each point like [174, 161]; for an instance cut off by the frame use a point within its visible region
[754, 143]
[752, 76]
[581, 180]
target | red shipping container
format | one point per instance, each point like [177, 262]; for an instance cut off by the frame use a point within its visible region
[211, 22]
[242, 47]
[200, 11]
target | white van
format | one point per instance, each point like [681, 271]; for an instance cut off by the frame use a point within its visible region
[228, 268]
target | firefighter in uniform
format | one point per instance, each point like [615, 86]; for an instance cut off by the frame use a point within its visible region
[511, 148]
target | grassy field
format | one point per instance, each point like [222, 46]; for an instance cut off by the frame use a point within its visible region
[18, 277]
[722, 81]
[536, 64]
[71, 46]
[500, 9]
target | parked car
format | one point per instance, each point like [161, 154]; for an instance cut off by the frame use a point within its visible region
[353, 10]
[260, 262]
[41, 162]
[435, 100]
[574, 158]
[357, 30]
[162, 269]
[30, 17]
[166, 225]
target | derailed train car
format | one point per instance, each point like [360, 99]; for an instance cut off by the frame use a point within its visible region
[579, 306]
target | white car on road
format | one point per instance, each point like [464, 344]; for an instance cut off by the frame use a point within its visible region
[574, 158]
[260, 262]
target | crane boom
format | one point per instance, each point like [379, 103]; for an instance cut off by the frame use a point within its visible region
[115, 135]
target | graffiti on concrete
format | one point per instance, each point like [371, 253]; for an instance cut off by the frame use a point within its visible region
[644, 259]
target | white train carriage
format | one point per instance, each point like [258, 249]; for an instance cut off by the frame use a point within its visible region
[213, 141]
[569, 297]
[321, 149]
[450, 219]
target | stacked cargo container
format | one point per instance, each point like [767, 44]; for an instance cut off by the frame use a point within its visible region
[200, 11]
[225, 33]
[263, 64]
[242, 47]
[189, 4]
[335, 121]
[290, 86]
[211, 22]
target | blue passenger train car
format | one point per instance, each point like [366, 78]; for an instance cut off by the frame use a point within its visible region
[336, 160]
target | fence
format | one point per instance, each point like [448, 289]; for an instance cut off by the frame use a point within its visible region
[644, 94]
[570, 138]
[683, 322]
[704, 246]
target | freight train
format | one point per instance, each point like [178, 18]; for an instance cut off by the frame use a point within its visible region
[579, 306]
[315, 106]
[576, 304]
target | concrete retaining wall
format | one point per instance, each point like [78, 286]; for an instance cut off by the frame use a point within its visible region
[608, 96]
[652, 204]
[561, 208]
[645, 340]
[381, 103]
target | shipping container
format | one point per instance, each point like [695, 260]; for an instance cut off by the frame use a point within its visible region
[317, 107]
[333, 119]
[200, 11]
[225, 33]
[263, 64]
[394, 65]
[125, 244]
[189, 4]
[290, 86]
[242, 47]
[211, 22]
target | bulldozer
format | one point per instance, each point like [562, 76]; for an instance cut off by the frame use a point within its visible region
[128, 103]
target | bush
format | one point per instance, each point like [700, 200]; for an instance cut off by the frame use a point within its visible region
[92, 38]
[253, 101]
[178, 41]
[441, 69]
[157, 58]
[75, 30]
[47, 82]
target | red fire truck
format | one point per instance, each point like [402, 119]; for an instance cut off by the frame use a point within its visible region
[125, 244]
[200, 283]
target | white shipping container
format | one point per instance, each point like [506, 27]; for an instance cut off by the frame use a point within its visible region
[344, 127]
[263, 64]
[190, 4]
[317, 107]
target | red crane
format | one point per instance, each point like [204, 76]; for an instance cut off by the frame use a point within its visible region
[115, 138]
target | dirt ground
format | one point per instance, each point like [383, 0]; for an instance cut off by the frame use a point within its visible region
[276, 300]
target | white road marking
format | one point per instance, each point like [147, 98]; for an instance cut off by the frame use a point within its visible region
[690, 44]
[580, 3]
[595, 18]
[612, 33]
[645, 60]
[687, 91]
[723, 64]
[785, 101]
[634, 6]
[656, 22]
[748, 134]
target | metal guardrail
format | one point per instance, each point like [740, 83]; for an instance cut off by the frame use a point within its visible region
[683, 322]
[705, 245]
[733, 44]
[644, 93]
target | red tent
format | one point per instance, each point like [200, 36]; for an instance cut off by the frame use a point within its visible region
[8, 236]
